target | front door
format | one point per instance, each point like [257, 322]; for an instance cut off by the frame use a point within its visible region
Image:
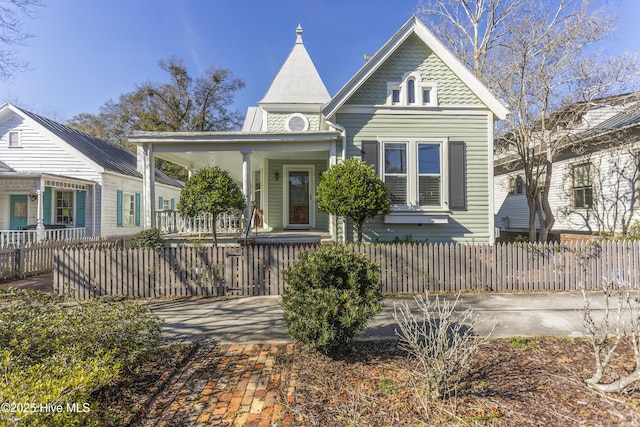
[299, 215]
[18, 211]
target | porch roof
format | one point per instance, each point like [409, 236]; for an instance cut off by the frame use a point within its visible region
[195, 150]
[32, 180]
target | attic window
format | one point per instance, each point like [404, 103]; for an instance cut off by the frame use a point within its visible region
[14, 139]
[412, 91]
[297, 123]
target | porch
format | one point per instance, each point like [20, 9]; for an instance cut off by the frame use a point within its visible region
[231, 228]
[35, 207]
[278, 174]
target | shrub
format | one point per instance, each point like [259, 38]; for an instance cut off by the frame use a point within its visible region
[56, 351]
[149, 238]
[441, 342]
[331, 295]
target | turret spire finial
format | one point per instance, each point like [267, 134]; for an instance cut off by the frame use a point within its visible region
[299, 34]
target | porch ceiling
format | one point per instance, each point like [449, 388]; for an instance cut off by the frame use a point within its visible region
[232, 160]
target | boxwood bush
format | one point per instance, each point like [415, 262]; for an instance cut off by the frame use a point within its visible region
[54, 351]
[330, 296]
[149, 238]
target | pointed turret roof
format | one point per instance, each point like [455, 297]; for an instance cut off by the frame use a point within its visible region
[298, 81]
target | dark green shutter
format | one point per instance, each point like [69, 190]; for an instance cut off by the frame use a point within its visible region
[370, 154]
[173, 204]
[457, 175]
[119, 209]
[46, 205]
[80, 207]
[137, 209]
[160, 206]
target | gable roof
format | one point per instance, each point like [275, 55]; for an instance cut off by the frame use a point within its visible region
[298, 81]
[109, 156]
[415, 26]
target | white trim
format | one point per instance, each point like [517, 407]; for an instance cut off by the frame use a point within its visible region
[490, 179]
[414, 109]
[286, 169]
[412, 218]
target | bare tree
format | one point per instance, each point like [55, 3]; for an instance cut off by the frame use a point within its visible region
[12, 16]
[540, 58]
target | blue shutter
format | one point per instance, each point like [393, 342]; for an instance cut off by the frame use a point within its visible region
[80, 208]
[137, 209]
[173, 204]
[160, 203]
[119, 209]
[46, 205]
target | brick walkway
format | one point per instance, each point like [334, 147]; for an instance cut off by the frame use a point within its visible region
[228, 385]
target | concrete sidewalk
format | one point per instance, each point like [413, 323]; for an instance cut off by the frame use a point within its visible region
[260, 319]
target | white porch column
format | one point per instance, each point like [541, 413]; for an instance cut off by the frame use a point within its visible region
[40, 216]
[148, 185]
[246, 183]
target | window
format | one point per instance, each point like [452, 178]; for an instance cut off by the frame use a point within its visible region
[395, 95]
[412, 91]
[426, 96]
[429, 178]
[257, 189]
[64, 207]
[414, 173]
[395, 172]
[516, 185]
[582, 186]
[14, 139]
[166, 204]
[128, 209]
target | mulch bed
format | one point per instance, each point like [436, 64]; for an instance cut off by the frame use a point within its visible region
[541, 383]
[507, 386]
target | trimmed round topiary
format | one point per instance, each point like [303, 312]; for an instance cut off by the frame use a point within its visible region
[331, 294]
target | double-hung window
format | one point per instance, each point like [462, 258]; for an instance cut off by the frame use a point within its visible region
[429, 175]
[64, 207]
[413, 171]
[128, 209]
[582, 186]
[395, 171]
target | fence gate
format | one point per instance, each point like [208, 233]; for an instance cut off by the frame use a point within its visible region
[233, 272]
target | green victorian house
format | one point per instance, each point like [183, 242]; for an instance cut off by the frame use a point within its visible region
[413, 112]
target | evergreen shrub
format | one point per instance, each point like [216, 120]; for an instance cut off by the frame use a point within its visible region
[331, 294]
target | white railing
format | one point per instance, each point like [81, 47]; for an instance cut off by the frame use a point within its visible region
[17, 238]
[170, 222]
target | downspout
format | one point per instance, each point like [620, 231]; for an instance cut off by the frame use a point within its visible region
[342, 131]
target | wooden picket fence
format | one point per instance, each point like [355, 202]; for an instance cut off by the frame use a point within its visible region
[34, 258]
[404, 268]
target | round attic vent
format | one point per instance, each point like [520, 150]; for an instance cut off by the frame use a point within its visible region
[297, 123]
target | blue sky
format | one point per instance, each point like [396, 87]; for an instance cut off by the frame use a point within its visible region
[87, 52]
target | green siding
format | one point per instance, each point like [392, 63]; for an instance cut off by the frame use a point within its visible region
[276, 192]
[414, 55]
[468, 225]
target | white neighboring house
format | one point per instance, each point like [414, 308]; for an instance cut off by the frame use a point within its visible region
[59, 183]
[595, 183]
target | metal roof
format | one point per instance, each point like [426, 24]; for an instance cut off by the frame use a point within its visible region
[109, 156]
